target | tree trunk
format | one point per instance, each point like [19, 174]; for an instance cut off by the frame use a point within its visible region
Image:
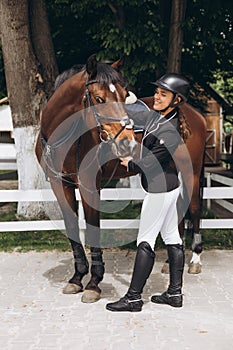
[176, 36]
[26, 73]
[42, 43]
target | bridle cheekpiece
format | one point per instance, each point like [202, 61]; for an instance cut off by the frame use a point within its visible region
[125, 121]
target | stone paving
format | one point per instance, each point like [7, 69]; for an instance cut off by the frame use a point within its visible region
[35, 315]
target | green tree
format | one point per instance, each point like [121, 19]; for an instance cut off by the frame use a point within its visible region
[110, 29]
[208, 38]
[30, 70]
[140, 30]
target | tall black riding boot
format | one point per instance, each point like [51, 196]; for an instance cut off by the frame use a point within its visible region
[173, 296]
[143, 266]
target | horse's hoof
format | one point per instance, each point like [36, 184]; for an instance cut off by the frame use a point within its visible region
[90, 296]
[72, 288]
[194, 268]
[165, 268]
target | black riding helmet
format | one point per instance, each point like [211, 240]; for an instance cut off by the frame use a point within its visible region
[175, 83]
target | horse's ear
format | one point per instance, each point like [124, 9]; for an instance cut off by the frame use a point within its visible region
[91, 65]
[118, 65]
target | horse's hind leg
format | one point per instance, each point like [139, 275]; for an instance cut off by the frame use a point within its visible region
[68, 204]
[195, 212]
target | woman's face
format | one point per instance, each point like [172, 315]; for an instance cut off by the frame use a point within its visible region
[162, 98]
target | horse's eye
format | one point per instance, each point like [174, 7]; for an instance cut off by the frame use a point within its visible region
[99, 99]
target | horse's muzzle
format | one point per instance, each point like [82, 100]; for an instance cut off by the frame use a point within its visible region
[125, 147]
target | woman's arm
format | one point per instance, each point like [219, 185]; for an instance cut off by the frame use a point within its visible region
[158, 155]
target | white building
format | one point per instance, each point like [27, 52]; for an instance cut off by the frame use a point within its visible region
[7, 147]
[6, 124]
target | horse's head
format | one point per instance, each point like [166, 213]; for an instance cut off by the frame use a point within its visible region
[105, 99]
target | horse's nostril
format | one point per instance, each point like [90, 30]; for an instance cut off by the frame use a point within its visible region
[123, 146]
[123, 142]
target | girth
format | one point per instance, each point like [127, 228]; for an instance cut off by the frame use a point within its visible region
[48, 151]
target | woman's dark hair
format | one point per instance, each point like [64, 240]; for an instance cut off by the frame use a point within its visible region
[184, 126]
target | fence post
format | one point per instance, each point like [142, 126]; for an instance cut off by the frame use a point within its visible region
[81, 218]
[208, 184]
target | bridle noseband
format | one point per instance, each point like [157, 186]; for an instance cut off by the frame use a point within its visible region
[125, 121]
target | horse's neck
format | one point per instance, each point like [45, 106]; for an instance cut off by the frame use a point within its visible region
[64, 107]
[193, 116]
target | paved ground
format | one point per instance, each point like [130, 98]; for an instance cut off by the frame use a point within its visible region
[34, 314]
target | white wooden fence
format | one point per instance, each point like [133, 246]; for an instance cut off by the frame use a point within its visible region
[8, 156]
[106, 194]
[222, 180]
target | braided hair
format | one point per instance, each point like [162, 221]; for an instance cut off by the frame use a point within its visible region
[185, 130]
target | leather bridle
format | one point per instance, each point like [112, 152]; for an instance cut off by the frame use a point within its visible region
[125, 121]
[48, 150]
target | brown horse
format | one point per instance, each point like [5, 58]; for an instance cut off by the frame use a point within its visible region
[85, 113]
[84, 129]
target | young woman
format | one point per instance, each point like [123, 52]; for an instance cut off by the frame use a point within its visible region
[159, 178]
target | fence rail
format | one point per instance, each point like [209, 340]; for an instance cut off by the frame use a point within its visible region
[7, 156]
[222, 180]
[106, 194]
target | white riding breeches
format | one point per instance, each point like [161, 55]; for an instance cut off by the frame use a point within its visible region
[159, 214]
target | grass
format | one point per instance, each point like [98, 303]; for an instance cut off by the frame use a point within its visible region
[57, 240]
[38, 241]
[31, 240]
[211, 239]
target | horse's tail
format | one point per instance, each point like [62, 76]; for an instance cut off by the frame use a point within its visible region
[202, 180]
[186, 199]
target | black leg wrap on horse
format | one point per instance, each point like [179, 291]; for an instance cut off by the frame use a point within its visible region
[143, 265]
[197, 243]
[173, 296]
[97, 264]
[80, 262]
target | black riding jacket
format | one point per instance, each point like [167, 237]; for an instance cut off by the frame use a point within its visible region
[161, 137]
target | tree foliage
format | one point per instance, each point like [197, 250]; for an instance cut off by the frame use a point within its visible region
[130, 28]
[140, 31]
[208, 42]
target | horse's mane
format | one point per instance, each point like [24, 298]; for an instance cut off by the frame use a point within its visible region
[67, 74]
[105, 75]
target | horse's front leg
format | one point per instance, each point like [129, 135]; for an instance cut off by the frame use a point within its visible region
[195, 264]
[66, 198]
[91, 203]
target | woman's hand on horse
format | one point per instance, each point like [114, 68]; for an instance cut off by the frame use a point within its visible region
[125, 161]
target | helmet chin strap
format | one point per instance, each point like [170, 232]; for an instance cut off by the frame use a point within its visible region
[172, 104]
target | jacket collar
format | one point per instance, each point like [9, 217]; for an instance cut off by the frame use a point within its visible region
[170, 115]
[155, 123]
